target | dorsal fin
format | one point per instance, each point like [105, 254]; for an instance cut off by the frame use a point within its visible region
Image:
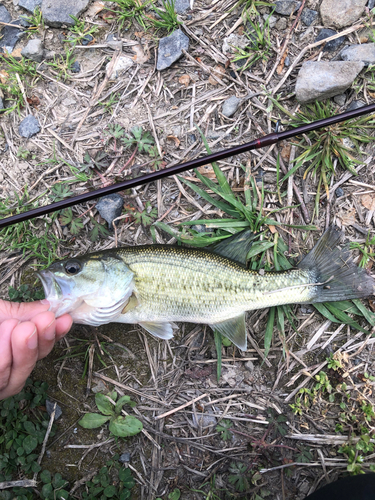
[235, 247]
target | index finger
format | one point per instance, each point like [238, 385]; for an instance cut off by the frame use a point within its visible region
[23, 311]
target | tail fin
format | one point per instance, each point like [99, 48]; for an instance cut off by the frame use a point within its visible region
[332, 265]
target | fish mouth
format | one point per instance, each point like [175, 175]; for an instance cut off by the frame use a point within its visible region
[57, 292]
[52, 289]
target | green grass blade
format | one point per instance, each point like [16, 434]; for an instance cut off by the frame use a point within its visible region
[218, 344]
[269, 331]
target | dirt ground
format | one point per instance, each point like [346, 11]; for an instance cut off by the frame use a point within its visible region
[272, 449]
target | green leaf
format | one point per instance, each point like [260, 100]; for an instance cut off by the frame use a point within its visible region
[29, 427]
[126, 477]
[45, 476]
[103, 404]
[174, 495]
[259, 247]
[218, 343]
[110, 491]
[121, 402]
[125, 426]
[93, 420]
[29, 444]
[47, 490]
[269, 331]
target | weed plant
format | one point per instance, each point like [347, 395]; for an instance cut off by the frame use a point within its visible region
[259, 45]
[79, 32]
[36, 20]
[249, 8]
[322, 147]
[129, 10]
[62, 64]
[167, 18]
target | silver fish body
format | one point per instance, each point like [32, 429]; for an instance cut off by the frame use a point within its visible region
[157, 285]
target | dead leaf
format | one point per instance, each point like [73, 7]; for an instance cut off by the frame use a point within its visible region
[219, 72]
[371, 94]
[280, 66]
[34, 101]
[140, 56]
[175, 139]
[95, 8]
[371, 303]
[272, 229]
[184, 80]
[285, 152]
[3, 76]
[109, 17]
[363, 39]
[347, 218]
[207, 171]
[17, 53]
[368, 201]
[241, 30]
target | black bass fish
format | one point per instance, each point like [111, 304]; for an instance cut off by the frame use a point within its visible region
[156, 285]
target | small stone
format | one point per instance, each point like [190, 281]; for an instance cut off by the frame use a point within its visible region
[308, 16]
[30, 5]
[231, 42]
[364, 52]
[339, 192]
[29, 127]
[124, 458]
[110, 207]
[319, 80]
[192, 138]
[170, 49]
[281, 24]
[50, 406]
[113, 42]
[56, 14]
[10, 36]
[33, 50]
[355, 105]
[2, 104]
[249, 365]
[24, 22]
[332, 45]
[272, 20]
[287, 62]
[340, 99]
[342, 13]
[87, 39]
[122, 64]
[75, 67]
[99, 387]
[181, 6]
[230, 106]
[5, 17]
[205, 420]
[287, 7]
[371, 4]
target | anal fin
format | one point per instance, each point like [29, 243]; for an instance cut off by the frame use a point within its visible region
[161, 330]
[234, 329]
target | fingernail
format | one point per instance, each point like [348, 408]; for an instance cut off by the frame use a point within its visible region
[44, 301]
[50, 333]
[32, 341]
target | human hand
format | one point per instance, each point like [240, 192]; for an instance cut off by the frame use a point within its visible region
[28, 332]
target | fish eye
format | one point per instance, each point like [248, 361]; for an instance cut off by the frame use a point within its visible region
[72, 267]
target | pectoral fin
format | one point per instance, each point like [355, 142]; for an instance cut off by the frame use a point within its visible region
[234, 329]
[161, 330]
[235, 247]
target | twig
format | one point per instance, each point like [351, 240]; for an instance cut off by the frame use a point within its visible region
[48, 431]
[170, 412]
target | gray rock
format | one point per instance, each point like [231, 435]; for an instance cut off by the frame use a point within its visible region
[87, 39]
[170, 49]
[122, 64]
[287, 62]
[75, 67]
[340, 99]
[30, 5]
[181, 6]
[33, 50]
[308, 16]
[364, 52]
[124, 458]
[113, 42]
[24, 22]
[110, 207]
[10, 36]
[232, 41]
[56, 14]
[249, 365]
[355, 105]
[272, 20]
[50, 406]
[281, 24]
[371, 4]
[287, 7]
[29, 126]
[205, 420]
[230, 106]
[319, 80]
[342, 13]
[339, 192]
[332, 45]
[5, 17]
[2, 104]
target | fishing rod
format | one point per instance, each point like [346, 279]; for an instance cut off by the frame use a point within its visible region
[261, 142]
